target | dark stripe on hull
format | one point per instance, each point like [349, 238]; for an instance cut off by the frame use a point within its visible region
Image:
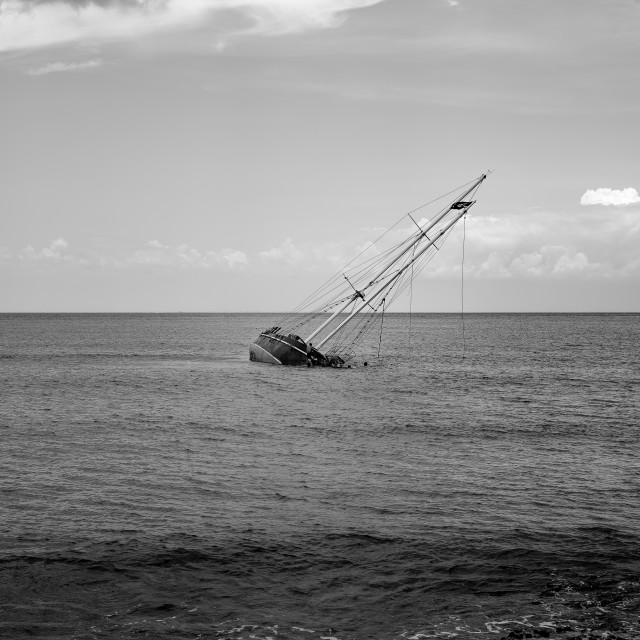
[278, 349]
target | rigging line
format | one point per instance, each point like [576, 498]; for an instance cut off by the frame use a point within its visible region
[411, 297]
[444, 195]
[346, 266]
[381, 323]
[359, 329]
[464, 234]
[376, 259]
[360, 277]
[419, 267]
[422, 263]
[422, 206]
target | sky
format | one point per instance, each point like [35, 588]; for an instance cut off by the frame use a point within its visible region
[230, 155]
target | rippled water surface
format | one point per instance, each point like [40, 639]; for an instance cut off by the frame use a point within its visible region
[155, 483]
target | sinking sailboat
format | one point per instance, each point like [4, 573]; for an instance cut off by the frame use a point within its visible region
[337, 317]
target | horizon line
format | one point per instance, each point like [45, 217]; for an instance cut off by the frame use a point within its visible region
[280, 313]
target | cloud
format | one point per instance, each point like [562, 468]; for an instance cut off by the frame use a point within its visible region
[58, 67]
[536, 244]
[156, 244]
[314, 256]
[28, 24]
[154, 254]
[550, 260]
[607, 197]
[56, 252]
[545, 244]
[183, 256]
[532, 244]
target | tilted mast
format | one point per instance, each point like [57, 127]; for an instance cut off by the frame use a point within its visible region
[458, 204]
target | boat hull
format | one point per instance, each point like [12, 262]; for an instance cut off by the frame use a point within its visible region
[278, 349]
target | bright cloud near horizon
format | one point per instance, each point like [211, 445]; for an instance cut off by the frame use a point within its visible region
[230, 154]
[610, 197]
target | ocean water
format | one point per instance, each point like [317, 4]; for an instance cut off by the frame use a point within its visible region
[154, 483]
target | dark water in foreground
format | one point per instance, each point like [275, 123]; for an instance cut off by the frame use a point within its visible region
[156, 484]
